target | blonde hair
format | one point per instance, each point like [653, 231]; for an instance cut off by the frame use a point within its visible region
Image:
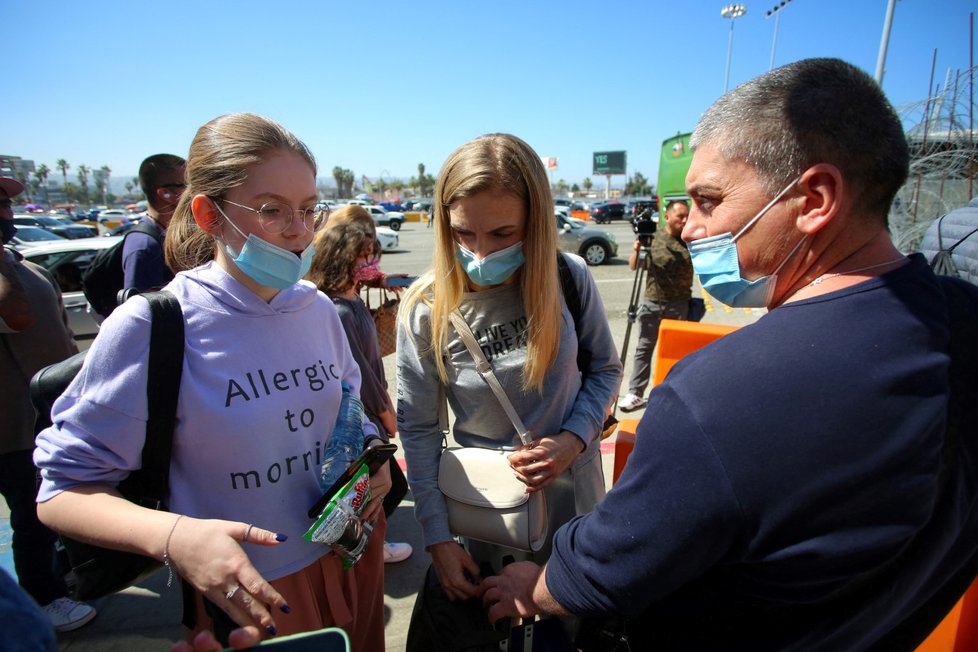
[221, 153]
[352, 213]
[495, 163]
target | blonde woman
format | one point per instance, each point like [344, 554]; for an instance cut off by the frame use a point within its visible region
[265, 355]
[496, 261]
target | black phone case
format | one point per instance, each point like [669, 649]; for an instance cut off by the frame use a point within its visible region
[374, 457]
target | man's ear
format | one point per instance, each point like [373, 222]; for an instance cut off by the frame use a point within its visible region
[206, 214]
[822, 188]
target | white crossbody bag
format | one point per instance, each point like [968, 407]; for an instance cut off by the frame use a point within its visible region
[485, 500]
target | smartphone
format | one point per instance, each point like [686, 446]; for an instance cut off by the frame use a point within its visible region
[400, 281]
[374, 457]
[331, 639]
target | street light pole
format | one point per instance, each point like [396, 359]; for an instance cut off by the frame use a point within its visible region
[733, 12]
[885, 41]
[776, 10]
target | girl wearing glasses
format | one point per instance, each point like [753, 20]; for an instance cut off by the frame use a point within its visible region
[265, 355]
[495, 261]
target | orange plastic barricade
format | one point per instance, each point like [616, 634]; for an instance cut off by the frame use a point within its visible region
[958, 632]
[676, 339]
[624, 443]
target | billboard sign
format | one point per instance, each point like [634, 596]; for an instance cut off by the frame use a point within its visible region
[609, 163]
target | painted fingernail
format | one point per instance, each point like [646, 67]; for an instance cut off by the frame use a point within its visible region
[271, 630]
[285, 609]
[281, 537]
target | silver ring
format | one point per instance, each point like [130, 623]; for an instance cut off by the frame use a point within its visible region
[230, 594]
[248, 531]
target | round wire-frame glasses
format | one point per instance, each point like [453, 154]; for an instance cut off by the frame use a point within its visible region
[275, 216]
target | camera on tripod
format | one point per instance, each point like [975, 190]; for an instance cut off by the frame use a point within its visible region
[644, 227]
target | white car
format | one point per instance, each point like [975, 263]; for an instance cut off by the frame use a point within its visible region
[67, 260]
[387, 238]
[29, 236]
[382, 217]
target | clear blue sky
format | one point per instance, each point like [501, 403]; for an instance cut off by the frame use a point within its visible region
[378, 87]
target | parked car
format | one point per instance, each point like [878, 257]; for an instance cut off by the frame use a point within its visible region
[67, 260]
[595, 246]
[113, 215]
[638, 206]
[121, 229]
[387, 238]
[54, 225]
[393, 219]
[30, 235]
[392, 206]
[606, 211]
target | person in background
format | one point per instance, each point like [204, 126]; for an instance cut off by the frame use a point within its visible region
[797, 484]
[34, 333]
[161, 178]
[958, 232]
[347, 253]
[495, 261]
[265, 358]
[668, 288]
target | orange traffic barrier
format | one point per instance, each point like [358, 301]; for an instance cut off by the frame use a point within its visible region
[958, 632]
[624, 443]
[676, 339]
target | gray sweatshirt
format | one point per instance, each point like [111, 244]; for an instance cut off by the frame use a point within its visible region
[497, 318]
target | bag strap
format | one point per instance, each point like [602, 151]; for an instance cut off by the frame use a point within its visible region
[166, 347]
[485, 370]
[572, 298]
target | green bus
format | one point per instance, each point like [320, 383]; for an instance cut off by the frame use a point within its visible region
[673, 165]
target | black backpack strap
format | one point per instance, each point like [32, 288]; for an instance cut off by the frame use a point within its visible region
[142, 227]
[573, 300]
[166, 345]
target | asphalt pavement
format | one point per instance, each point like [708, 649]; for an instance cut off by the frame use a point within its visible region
[146, 617]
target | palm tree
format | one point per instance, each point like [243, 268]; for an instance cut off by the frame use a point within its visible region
[421, 179]
[83, 171]
[64, 166]
[586, 184]
[105, 181]
[129, 187]
[42, 173]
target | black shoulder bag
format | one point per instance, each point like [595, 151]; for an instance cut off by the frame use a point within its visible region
[100, 571]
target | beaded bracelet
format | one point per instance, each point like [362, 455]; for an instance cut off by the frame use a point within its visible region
[166, 553]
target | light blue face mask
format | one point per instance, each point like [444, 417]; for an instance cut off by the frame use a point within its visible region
[494, 268]
[716, 262]
[267, 264]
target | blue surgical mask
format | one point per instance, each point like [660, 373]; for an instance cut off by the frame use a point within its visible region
[494, 268]
[716, 262]
[267, 264]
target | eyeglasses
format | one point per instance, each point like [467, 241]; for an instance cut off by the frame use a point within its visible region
[275, 216]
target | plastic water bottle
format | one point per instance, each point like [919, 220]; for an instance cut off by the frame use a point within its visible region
[346, 442]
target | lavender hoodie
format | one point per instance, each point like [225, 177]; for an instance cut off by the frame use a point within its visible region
[258, 400]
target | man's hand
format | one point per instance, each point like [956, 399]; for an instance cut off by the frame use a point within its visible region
[511, 592]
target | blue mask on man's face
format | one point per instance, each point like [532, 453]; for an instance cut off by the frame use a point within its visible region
[494, 268]
[717, 263]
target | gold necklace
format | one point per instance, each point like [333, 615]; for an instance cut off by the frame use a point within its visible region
[825, 277]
